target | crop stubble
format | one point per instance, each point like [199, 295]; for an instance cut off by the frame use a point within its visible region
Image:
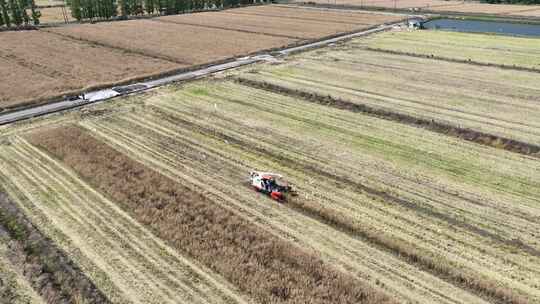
[471, 243]
[264, 266]
[488, 99]
[124, 259]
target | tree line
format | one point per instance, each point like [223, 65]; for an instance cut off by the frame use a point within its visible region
[18, 12]
[107, 9]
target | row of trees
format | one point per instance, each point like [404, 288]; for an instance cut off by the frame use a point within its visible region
[18, 12]
[106, 9]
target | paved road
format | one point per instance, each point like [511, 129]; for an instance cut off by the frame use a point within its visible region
[106, 94]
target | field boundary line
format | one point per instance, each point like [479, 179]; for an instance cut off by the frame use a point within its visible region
[297, 18]
[454, 60]
[478, 137]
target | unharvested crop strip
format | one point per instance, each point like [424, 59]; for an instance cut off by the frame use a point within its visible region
[114, 47]
[228, 29]
[454, 60]
[50, 272]
[435, 265]
[264, 266]
[438, 127]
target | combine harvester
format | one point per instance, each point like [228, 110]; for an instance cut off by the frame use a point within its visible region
[271, 184]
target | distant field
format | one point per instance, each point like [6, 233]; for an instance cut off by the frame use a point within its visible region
[492, 100]
[442, 6]
[62, 65]
[495, 49]
[77, 57]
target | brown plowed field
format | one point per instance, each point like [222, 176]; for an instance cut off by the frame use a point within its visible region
[60, 65]
[184, 44]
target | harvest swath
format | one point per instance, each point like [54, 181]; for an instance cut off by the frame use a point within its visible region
[489, 99]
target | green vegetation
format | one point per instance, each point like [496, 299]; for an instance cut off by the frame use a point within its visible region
[18, 12]
[106, 9]
[482, 48]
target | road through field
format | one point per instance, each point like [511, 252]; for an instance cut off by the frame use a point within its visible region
[125, 260]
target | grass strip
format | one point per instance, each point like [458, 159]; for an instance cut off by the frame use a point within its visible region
[432, 125]
[264, 266]
[50, 272]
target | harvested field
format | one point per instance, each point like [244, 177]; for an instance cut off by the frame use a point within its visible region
[183, 44]
[486, 8]
[486, 49]
[400, 4]
[488, 99]
[528, 13]
[310, 14]
[248, 136]
[266, 267]
[61, 65]
[294, 28]
[126, 262]
[214, 133]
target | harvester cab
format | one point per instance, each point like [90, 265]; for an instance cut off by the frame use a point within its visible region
[270, 184]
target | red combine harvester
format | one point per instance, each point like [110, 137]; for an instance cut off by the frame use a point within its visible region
[271, 185]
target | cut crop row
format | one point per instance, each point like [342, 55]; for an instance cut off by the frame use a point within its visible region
[269, 269]
[50, 272]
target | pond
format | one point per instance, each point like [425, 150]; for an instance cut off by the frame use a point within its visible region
[476, 26]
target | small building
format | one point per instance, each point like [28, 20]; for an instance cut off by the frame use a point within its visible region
[415, 23]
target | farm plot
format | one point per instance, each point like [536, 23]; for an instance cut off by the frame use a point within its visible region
[125, 261]
[486, 8]
[274, 26]
[487, 49]
[184, 44]
[213, 134]
[61, 65]
[400, 4]
[488, 99]
[310, 14]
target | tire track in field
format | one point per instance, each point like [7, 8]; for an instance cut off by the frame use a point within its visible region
[162, 275]
[135, 144]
